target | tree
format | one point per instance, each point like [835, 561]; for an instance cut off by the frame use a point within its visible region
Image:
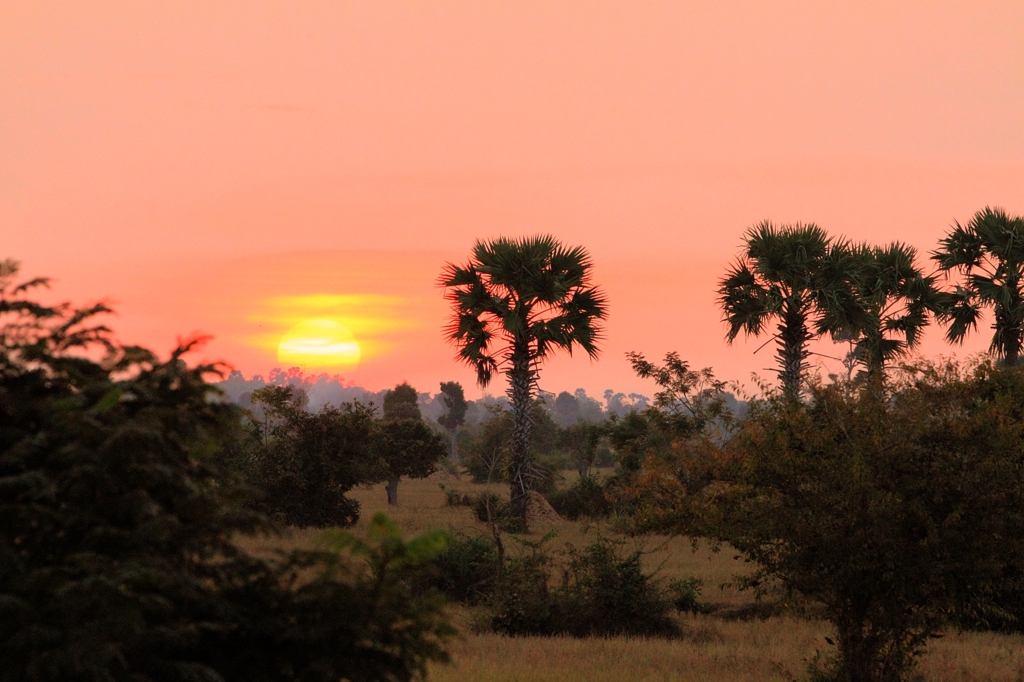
[566, 410]
[402, 402]
[580, 441]
[408, 446]
[891, 511]
[896, 302]
[119, 535]
[306, 463]
[488, 453]
[513, 304]
[988, 253]
[455, 402]
[795, 274]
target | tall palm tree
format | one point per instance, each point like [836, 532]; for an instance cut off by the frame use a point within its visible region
[515, 302]
[989, 253]
[896, 301]
[795, 274]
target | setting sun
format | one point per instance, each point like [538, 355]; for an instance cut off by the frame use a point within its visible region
[319, 344]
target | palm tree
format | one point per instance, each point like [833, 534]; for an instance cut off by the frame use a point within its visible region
[896, 302]
[797, 275]
[989, 253]
[513, 303]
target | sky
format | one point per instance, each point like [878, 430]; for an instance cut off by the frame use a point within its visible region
[232, 168]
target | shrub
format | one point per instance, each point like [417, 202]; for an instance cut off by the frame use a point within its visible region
[522, 600]
[453, 498]
[584, 498]
[684, 593]
[603, 593]
[466, 570]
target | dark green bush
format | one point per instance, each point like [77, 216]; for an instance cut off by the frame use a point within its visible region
[603, 593]
[684, 593]
[522, 599]
[490, 508]
[584, 498]
[466, 570]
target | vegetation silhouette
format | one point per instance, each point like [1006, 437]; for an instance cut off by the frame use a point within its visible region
[795, 274]
[513, 303]
[408, 446]
[455, 413]
[119, 530]
[988, 252]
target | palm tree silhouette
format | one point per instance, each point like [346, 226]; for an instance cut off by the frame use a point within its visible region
[989, 253]
[795, 274]
[513, 303]
[896, 301]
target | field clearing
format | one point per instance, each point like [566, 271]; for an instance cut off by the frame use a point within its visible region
[717, 646]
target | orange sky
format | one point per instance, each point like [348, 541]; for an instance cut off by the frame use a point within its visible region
[194, 161]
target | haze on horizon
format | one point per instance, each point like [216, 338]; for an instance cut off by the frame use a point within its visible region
[199, 163]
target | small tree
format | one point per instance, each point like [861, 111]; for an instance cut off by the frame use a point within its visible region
[455, 402]
[410, 448]
[402, 402]
[407, 445]
[580, 442]
[305, 463]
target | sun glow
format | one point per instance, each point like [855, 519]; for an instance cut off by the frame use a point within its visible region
[319, 344]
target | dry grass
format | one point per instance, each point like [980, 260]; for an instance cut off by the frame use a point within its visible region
[713, 647]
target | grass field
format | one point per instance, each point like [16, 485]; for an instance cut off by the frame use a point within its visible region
[739, 640]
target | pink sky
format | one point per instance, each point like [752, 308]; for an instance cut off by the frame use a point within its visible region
[192, 161]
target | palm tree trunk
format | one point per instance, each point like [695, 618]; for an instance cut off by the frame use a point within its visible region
[793, 338]
[520, 377]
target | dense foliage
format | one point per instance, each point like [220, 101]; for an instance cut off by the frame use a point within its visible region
[305, 462]
[900, 512]
[118, 558]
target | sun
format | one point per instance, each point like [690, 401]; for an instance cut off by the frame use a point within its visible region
[319, 344]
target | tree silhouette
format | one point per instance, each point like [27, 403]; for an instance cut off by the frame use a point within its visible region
[408, 446]
[513, 303]
[120, 552]
[455, 400]
[896, 302]
[797, 275]
[989, 253]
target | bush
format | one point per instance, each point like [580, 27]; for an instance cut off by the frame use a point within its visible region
[522, 601]
[490, 508]
[466, 570]
[453, 498]
[606, 594]
[603, 593]
[585, 498]
[684, 593]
